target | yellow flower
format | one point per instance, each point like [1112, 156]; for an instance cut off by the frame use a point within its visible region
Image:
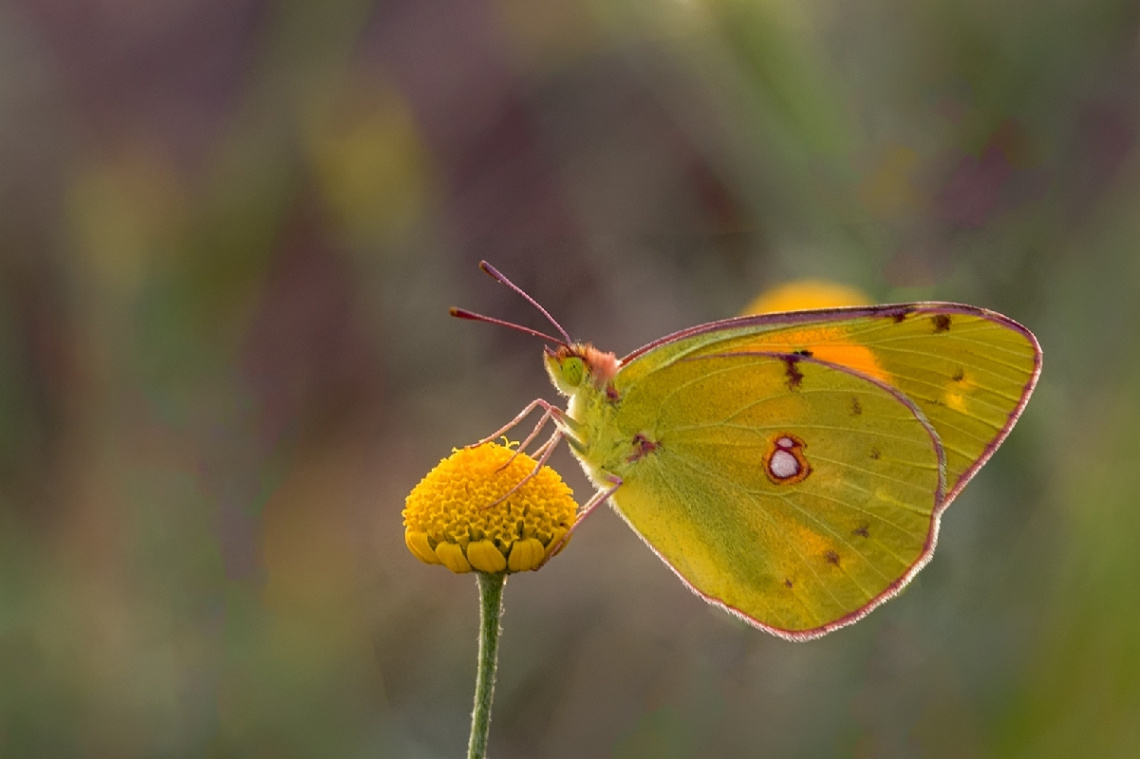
[802, 294]
[454, 516]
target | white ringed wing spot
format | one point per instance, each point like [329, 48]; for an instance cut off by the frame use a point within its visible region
[785, 463]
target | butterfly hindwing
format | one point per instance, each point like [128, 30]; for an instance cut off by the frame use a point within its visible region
[795, 492]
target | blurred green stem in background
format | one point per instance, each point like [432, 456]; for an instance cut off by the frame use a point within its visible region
[491, 609]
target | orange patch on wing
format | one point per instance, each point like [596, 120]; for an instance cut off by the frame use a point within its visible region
[829, 344]
[810, 546]
[856, 357]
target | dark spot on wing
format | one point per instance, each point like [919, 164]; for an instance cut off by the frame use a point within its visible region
[856, 407]
[803, 352]
[941, 322]
[795, 376]
[862, 531]
[898, 314]
[612, 395]
[832, 558]
[959, 375]
[875, 454]
[787, 583]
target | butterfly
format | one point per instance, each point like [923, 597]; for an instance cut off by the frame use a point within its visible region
[791, 468]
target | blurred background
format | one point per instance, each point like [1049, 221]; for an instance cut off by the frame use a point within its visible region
[229, 235]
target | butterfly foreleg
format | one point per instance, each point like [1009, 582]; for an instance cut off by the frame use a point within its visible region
[549, 410]
[566, 428]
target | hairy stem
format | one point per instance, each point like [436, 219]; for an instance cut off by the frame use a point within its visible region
[491, 609]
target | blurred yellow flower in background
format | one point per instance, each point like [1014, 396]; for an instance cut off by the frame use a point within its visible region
[457, 516]
[801, 294]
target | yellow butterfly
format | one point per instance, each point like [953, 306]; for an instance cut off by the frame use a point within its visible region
[791, 467]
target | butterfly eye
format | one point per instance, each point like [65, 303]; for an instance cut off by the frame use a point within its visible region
[573, 371]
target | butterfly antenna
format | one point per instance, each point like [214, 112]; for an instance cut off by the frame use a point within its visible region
[501, 278]
[461, 313]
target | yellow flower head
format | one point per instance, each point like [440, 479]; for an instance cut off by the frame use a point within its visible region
[455, 516]
[803, 294]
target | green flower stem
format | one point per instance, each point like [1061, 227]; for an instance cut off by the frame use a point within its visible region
[491, 609]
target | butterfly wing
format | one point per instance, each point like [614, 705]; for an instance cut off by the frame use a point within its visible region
[969, 371]
[794, 492]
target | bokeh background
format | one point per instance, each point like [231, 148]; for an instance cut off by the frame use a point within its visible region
[229, 234]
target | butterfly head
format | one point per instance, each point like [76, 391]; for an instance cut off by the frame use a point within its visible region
[572, 367]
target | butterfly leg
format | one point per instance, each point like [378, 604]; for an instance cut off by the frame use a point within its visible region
[547, 448]
[550, 409]
[564, 424]
[596, 500]
[546, 417]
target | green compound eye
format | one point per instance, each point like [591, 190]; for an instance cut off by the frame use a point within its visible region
[573, 371]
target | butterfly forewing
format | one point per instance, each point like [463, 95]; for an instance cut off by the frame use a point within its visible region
[969, 372]
[794, 492]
